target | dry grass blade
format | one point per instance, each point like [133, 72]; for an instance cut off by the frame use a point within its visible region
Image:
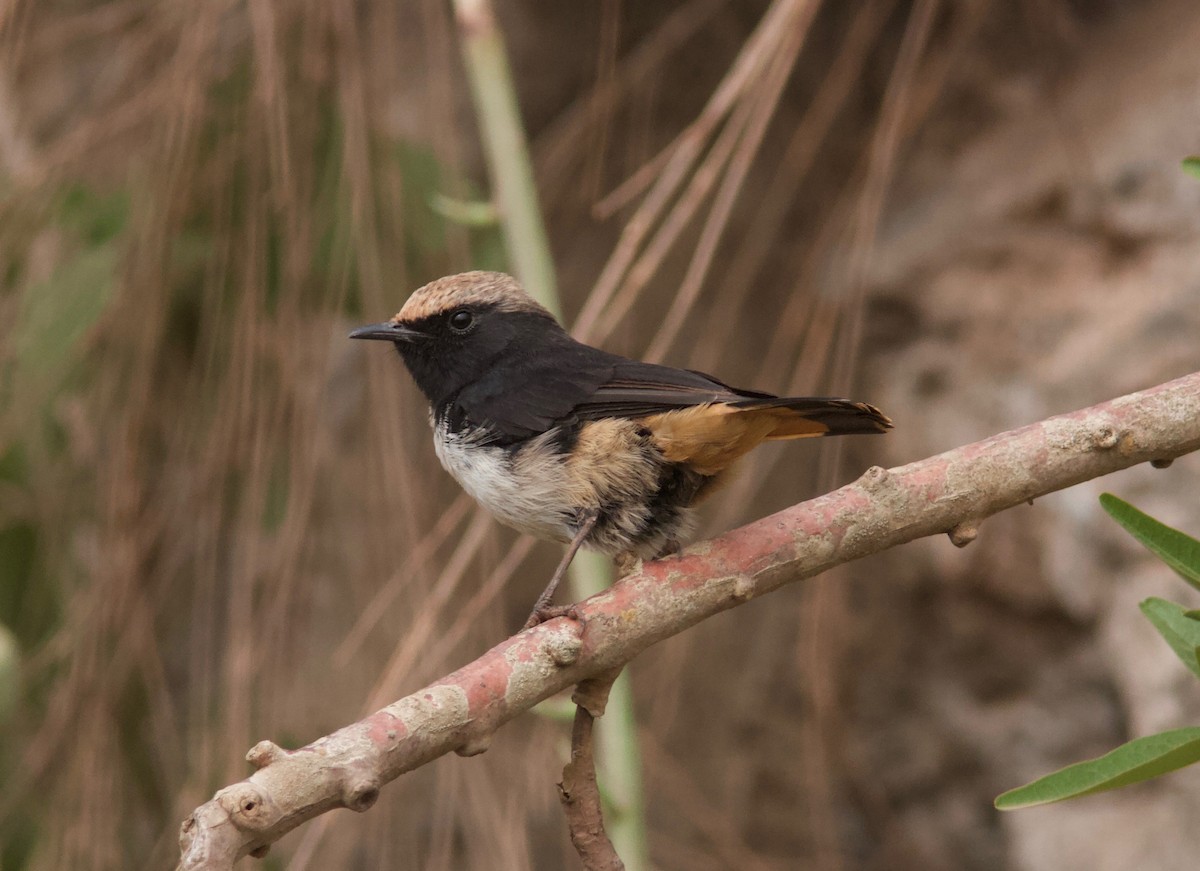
[746, 68]
[823, 315]
[429, 617]
[711, 825]
[557, 148]
[774, 79]
[818, 654]
[884, 146]
[386, 594]
[683, 153]
[799, 157]
[467, 616]
[682, 213]
[600, 110]
[809, 322]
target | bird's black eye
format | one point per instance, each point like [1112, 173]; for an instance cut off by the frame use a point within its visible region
[461, 320]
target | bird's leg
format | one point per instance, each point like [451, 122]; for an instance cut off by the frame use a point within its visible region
[541, 608]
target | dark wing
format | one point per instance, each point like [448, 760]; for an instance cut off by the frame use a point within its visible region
[644, 390]
[640, 389]
[566, 383]
[527, 393]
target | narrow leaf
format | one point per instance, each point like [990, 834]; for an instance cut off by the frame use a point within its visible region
[1179, 551]
[1181, 631]
[1140, 759]
[1191, 165]
[467, 213]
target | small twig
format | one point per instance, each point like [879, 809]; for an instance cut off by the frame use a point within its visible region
[579, 792]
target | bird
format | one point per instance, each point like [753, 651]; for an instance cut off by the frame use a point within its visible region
[571, 443]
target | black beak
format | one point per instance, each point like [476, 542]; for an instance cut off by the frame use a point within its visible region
[389, 330]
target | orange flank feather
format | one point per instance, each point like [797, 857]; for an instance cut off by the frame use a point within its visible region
[710, 438]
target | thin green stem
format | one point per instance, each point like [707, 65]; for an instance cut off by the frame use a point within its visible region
[528, 248]
[513, 188]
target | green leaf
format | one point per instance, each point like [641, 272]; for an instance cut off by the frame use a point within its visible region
[1181, 631]
[1140, 759]
[467, 213]
[1179, 551]
[1191, 165]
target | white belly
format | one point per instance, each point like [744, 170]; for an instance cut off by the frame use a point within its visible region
[525, 491]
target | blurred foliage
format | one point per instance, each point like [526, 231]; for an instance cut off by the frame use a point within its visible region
[204, 490]
[9, 674]
[1154, 755]
[48, 342]
[56, 314]
[153, 274]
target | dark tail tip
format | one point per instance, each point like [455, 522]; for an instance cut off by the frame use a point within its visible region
[872, 416]
[846, 417]
[841, 416]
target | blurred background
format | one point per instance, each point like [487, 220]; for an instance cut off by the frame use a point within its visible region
[221, 521]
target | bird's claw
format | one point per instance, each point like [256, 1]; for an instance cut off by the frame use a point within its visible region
[551, 612]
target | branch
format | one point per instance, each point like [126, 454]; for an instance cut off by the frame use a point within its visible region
[579, 792]
[950, 493]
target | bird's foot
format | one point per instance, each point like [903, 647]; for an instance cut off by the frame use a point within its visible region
[551, 612]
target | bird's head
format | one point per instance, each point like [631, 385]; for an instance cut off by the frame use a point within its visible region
[454, 330]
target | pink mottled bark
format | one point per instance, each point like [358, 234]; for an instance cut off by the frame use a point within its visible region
[950, 493]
